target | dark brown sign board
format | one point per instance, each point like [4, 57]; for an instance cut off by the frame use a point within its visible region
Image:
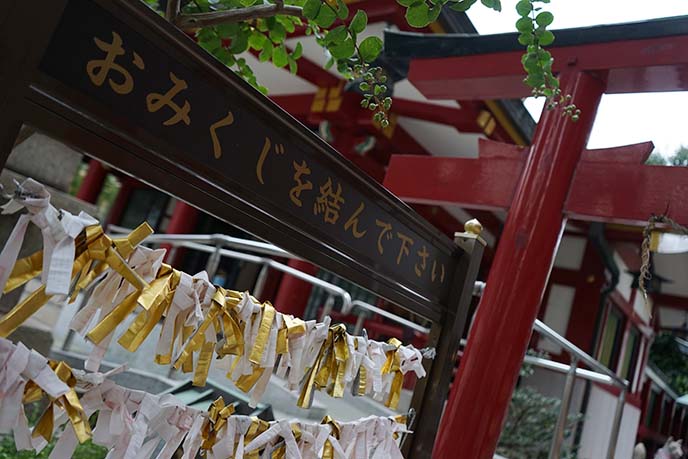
[117, 81]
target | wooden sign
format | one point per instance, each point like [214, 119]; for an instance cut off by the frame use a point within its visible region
[220, 132]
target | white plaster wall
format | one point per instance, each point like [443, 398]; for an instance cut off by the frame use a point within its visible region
[557, 314]
[598, 426]
[671, 317]
[625, 279]
[640, 308]
[570, 252]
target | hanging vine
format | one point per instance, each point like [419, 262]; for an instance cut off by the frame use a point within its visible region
[228, 28]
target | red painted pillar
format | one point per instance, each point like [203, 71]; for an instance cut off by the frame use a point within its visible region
[478, 404]
[93, 182]
[293, 293]
[119, 206]
[183, 221]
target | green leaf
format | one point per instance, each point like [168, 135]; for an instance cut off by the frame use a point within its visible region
[266, 54]
[545, 37]
[240, 42]
[330, 62]
[336, 35]
[434, 13]
[359, 22]
[524, 24]
[524, 7]
[462, 5]
[325, 17]
[406, 3]
[287, 22]
[227, 30]
[224, 56]
[257, 41]
[343, 50]
[292, 65]
[494, 4]
[417, 14]
[370, 48]
[526, 38]
[279, 56]
[342, 10]
[531, 64]
[278, 33]
[535, 80]
[298, 51]
[311, 8]
[211, 44]
[544, 19]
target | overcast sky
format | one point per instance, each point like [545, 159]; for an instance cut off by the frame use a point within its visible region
[622, 118]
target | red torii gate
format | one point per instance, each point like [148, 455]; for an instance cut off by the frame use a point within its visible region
[541, 186]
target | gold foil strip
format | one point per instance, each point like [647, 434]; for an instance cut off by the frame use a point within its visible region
[263, 334]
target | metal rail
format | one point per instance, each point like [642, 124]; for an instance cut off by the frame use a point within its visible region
[574, 350]
[577, 355]
[387, 314]
[269, 263]
[215, 239]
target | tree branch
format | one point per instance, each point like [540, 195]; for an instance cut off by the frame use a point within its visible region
[172, 11]
[189, 21]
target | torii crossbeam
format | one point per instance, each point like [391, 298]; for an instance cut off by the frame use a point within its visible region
[541, 186]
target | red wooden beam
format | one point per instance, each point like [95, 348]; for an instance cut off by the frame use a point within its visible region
[628, 193]
[670, 301]
[484, 183]
[610, 184]
[298, 105]
[658, 64]
[461, 119]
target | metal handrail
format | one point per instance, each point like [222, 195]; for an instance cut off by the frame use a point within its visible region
[389, 315]
[268, 262]
[574, 350]
[577, 355]
[564, 369]
[217, 239]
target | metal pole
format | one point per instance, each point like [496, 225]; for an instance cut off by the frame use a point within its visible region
[213, 262]
[260, 281]
[616, 426]
[558, 439]
[358, 328]
[327, 308]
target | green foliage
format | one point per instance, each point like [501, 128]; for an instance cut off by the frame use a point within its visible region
[527, 433]
[668, 358]
[33, 412]
[537, 61]
[338, 30]
[531, 420]
[86, 451]
[656, 159]
[679, 158]
[335, 28]
[533, 34]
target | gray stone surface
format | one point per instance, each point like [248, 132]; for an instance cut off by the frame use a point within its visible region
[46, 160]
[40, 339]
